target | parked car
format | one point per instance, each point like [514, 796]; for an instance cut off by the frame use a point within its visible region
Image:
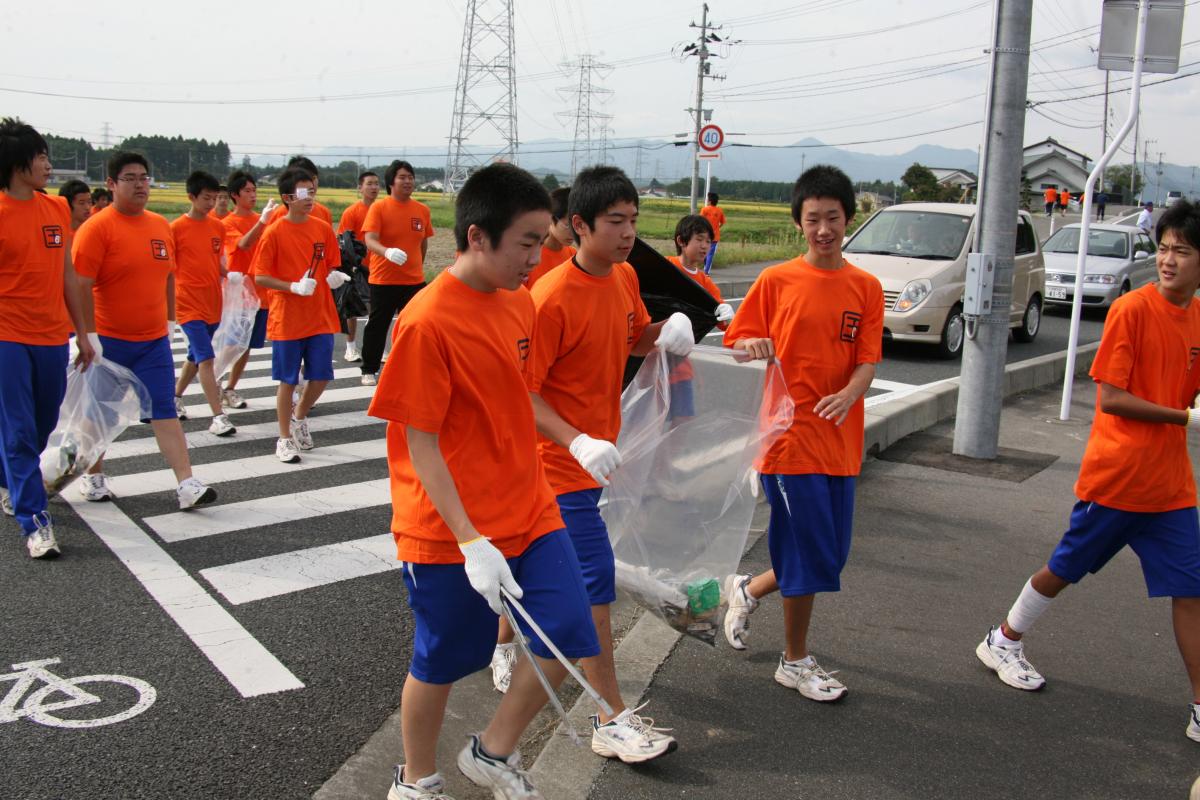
[1120, 259]
[919, 253]
[1174, 196]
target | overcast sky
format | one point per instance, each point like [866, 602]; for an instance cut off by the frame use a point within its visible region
[254, 73]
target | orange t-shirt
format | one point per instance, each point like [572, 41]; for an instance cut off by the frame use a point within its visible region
[462, 377]
[319, 211]
[1064, 198]
[399, 223]
[290, 251]
[824, 323]
[1149, 349]
[130, 258]
[549, 260]
[218, 217]
[33, 244]
[237, 259]
[716, 218]
[353, 218]
[198, 245]
[586, 329]
[699, 277]
[1051, 195]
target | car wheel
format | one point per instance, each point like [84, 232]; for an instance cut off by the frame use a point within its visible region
[953, 334]
[1124, 289]
[1031, 323]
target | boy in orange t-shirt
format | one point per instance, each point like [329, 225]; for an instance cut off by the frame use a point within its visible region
[297, 260]
[822, 319]
[556, 247]
[716, 218]
[200, 265]
[471, 510]
[397, 231]
[1135, 485]
[39, 306]
[1051, 197]
[79, 201]
[125, 260]
[1064, 200]
[220, 209]
[693, 241]
[352, 220]
[319, 211]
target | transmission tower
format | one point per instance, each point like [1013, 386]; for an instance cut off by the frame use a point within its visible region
[591, 125]
[486, 97]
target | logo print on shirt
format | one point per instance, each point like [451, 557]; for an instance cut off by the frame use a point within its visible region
[52, 236]
[417, 225]
[216, 244]
[629, 331]
[318, 255]
[1195, 351]
[523, 349]
[158, 249]
[851, 322]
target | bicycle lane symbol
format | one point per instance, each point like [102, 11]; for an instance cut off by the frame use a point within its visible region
[39, 706]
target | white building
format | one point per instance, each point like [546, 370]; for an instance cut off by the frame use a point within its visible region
[1049, 164]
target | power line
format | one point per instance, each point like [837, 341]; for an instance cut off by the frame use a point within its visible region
[835, 37]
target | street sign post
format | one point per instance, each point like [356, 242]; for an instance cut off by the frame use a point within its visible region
[708, 149]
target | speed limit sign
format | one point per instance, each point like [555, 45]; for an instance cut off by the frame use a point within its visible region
[711, 138]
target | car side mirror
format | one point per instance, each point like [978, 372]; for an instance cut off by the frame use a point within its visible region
[1142, 254]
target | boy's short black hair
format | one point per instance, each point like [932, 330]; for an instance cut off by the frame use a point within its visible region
[389, 175]
[122, 159]
[289, 179]
[824, 180]
[72, 188]
[1182, 217]
[597, 189]
[100, 192]
[559, 202]
[200, 181]
[492, 198]
[20, 144]
[713, 197]
[362, 176]
[689, 226]
[223, 188]
[238, 180]
[305, 163]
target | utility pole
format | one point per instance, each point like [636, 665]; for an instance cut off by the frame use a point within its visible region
[1158, 181]
[107, 135]
[637, 165]
[977, 431]
[1145, 162]
[703, 71]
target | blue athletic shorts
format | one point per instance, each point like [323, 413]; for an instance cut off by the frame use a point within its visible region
[808, 535]
[1166, 542]
[581, 514]
[316, 352]
[258, 336]
[154, 365]
[455, 629]
[199, 335]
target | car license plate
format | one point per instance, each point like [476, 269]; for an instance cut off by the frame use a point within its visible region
[1055, 293]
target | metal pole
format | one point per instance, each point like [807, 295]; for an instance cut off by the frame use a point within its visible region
[1137, 132]
[1104, 126]
[707, 177]
[987, 126]
[1135, 99]
[702, 52]
[977, 432]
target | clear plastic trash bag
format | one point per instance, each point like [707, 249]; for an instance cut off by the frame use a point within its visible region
[679, 508]
[239, 304]
[99, 404]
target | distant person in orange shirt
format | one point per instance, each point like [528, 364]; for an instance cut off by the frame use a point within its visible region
[471, 510]
[79, 199]
[244, 228]
[200, 266]
[297, 260]
[1051, 196]
[319, 211]
[352, 220]
[39, 307]
[821, 318]
[1136, 486]
[220, 209]
[101, 198]
[1064, 200]
[125, 259]
[397, 231]
[716, 218]
[556, 247]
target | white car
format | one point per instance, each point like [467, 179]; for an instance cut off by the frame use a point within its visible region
[1120, 259]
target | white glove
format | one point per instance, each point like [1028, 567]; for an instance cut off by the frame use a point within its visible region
[599, 457]
[1193, 412]
[235, 278]
[336, 278]
[724, 312]
[304, 287]
[396, 256]
[676, 335]
[94, 338]
[488, 572]
[267, 212]
[170, 329]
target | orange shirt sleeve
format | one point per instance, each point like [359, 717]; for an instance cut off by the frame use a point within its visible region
[1114, 359]
[750, 322]
[417, 389]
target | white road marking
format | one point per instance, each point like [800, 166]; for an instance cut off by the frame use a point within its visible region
[267, 381]
[197, 411]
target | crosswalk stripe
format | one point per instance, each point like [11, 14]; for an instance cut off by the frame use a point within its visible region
[264, 382]
[264, 403]
[271, 576]
[211, 520]
[218, 472]
[891, 386]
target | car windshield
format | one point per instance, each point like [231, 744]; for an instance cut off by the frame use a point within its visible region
[912, 234]
[1107, 244]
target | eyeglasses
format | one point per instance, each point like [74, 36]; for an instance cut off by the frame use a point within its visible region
[134, 179]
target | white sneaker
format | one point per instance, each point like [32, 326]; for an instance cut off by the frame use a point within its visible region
[431, 787]
[1193, 728]
[352, 353]
[180, 408]
[807, 677]
[503, 659]
[231, 399]
[741, 606]
[221, 426]
[1009, 663]
[286, 451]
[6, 503]
[505, 778]
[300, 433]
[631, 738]
[41, 542]
[369, 379]
[94, 488]
[192, 492]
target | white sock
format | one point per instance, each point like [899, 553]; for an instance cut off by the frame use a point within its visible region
[1029, 606]
[999, 638]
